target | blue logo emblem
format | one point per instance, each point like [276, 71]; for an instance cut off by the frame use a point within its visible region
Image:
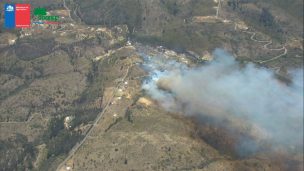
[9, 8]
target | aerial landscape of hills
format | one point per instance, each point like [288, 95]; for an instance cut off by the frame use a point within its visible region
[154, 85]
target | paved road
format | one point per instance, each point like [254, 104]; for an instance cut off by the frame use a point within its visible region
[78, 145]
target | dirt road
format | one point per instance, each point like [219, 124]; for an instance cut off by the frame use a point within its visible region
[265, 46]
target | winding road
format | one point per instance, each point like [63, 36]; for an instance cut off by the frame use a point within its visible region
[265, 46]
[96, 121]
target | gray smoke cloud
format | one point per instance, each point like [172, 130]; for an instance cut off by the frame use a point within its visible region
[250, 97]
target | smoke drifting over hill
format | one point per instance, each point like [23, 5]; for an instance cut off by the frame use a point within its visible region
[241, 97]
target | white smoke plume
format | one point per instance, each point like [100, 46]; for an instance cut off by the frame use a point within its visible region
[250, 97]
